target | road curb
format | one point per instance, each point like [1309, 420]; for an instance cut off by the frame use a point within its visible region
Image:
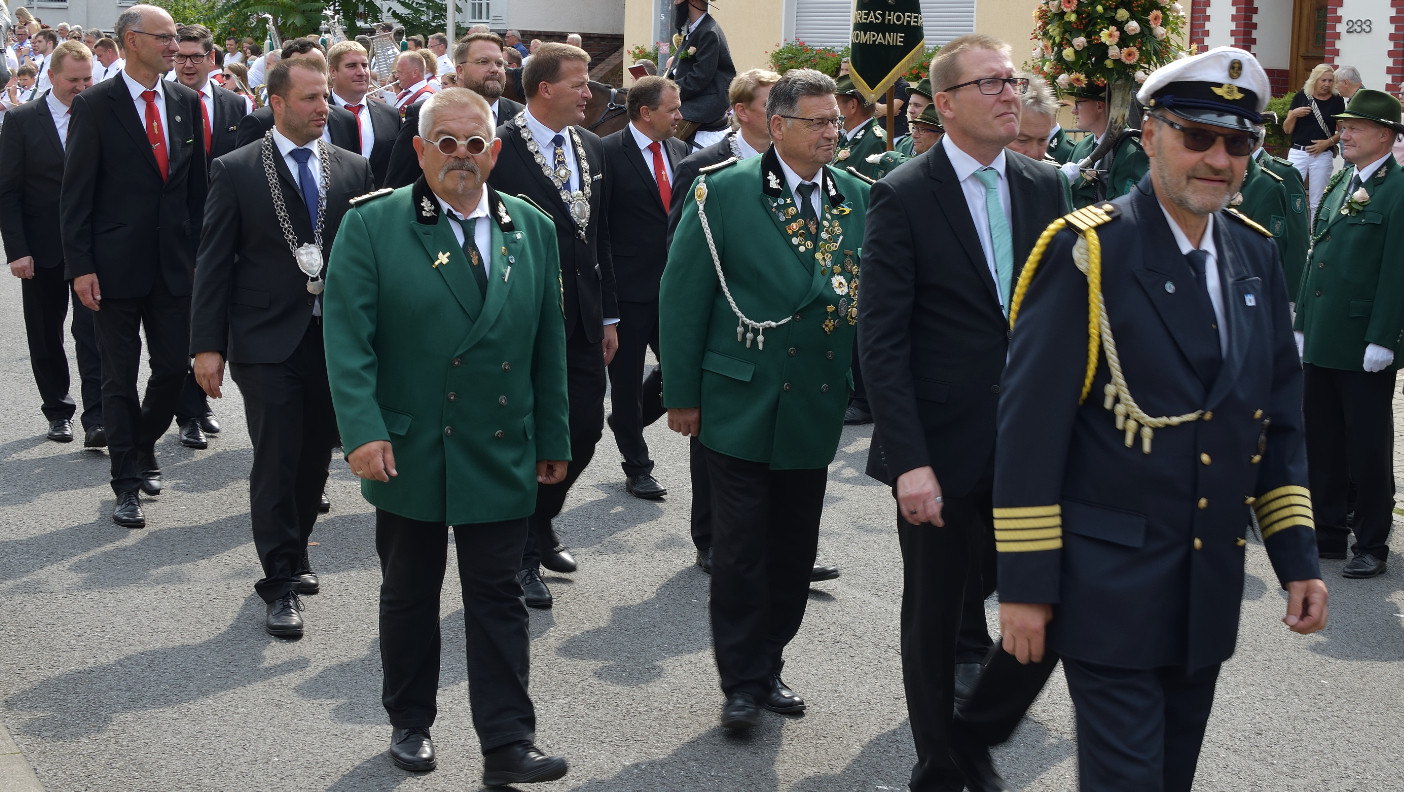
[15, 773]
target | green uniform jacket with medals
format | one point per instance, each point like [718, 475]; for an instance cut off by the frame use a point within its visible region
[1128, 166]
[470, 391]
[1297, 223]
[781, 404]
[905, 146]
[870, 139]
[887, 162]
[1352, 292]
[1265, 201]
[1060, 148]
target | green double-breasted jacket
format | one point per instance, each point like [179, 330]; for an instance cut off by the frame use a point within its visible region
[1128, 166]
[1298, 225]
[870, 139]
[780, 403]
[1265, 200]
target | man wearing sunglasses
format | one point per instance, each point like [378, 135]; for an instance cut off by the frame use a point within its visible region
[452, 422]
[1121, 476]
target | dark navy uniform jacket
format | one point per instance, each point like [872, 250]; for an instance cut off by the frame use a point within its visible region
[1142, 554]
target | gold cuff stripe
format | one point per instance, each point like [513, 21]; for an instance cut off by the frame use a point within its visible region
[1015, 512]
[1261, 506]
[1268, 532]
[1281, 507]
[1028, 547]
[1296, 517]
[1027, 523]
[1290, 489]
[1053, 532]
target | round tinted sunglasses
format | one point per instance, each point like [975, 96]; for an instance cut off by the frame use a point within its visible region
[448, 144]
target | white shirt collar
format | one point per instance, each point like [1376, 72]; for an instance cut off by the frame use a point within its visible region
[56, 108]
[284, 146]
[417, 86]
[136, 88]
[850, 135]
[694, 25]
[1369, 170]
[793, 180]
[1206, 243]
[745, 148]
[340, 102]
[644, 141]
[964, 164]
[481, 210]
[540, 131]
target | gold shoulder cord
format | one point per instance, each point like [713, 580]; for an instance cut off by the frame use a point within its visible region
[1087, 255]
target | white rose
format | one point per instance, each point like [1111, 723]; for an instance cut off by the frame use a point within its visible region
[1141, 76]
[1176, 8]
[1158, 32]
[1062, 81]
[1113, 51]
[1360, 196]
[1132, 28]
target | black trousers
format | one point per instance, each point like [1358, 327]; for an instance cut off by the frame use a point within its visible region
[292, 427]
[1004, 693]
[1350, 439]
[937, 564]
[585, 382]
[765, 532]
[413, 555]
[637, 401]
[135, 424]
[701, 494]
[45, 299]
[194, 402]
[1139, 729]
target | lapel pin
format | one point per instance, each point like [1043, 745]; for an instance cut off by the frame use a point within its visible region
[443, 259]
[1249, 300]
[1170, 287]
[506, 273]
[177, 118]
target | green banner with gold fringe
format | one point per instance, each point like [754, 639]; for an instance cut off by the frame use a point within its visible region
[888, 35]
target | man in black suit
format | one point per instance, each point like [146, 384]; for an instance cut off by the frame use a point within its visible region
[220, 113]
[480, 68]
[703, 70]
[377, 123]
[340, 130]
[641, 161]
[561, 168]
[132, 203]
[933, 335]
[258, 277]
[31, 144]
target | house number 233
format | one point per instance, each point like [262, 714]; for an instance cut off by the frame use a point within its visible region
[1358, 26]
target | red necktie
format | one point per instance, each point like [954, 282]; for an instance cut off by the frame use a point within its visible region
[360, 136]
[205, 114]
[156, 135]
[665, 191]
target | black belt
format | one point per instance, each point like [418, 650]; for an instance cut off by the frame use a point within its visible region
[1304, 148]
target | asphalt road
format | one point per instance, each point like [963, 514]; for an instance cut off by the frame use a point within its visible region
[137, 660]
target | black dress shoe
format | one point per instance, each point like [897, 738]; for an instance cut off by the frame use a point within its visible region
[644, 486]
[285, 616]
[704, 560]
[1364, 565]
[740, 713]
[520, 763]
[60, 431]
[781, 699]
[307, 581]
[128, 510]
[324, 505]
[856, 416]
[412, 749]
[208, 423]
[559, 560]
[823, 573]
[95, 437]
[966, 675]
[192, 436]
[973, 760]
[534, 589]
[150, 474]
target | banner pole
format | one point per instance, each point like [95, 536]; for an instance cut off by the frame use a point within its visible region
[891, 114]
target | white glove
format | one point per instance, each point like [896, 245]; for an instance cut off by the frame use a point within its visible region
[1071, 172]
[1377, 358]
[1301, 343]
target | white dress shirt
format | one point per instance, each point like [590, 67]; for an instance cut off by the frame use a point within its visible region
[644, 141]
[136, 89]
[965, 167]
[1369, 170]
[407, 97]
[745, 148]
[101, 72]
[445, 64]
[543, 135]
[367, 131]
[793, 180]
[1211, 270]
[42, 82]
[314, 162]
[59, 111]
[482, 232]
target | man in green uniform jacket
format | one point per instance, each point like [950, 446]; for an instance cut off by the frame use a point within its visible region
[758, 336]
[863, 136]
[446, 356]
[1299, 224]
[1350, 330]
[1264, 199]
[918, 99]
[1128, 164]
[926, 132]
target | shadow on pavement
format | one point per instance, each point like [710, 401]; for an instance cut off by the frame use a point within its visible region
[711, 762]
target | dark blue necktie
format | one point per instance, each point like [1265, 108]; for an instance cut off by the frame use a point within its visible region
[306, 183]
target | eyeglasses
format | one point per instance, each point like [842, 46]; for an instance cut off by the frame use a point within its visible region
[499, 63]
[994, 86]
[1237, 144]
[164, 39]
[448, 145]
[184, 59]
[816, 124]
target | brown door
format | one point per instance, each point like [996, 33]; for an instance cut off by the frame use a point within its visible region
[1308, 39]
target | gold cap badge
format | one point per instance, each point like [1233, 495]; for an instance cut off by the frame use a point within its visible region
[1235, 69]
[1228, 91]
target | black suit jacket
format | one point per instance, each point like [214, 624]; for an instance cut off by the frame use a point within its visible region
[251, 302]
[339, 120]
[229, 109]
[587, 271]
[29, 184]
[118, 218]
[686, 173]
[704, 77]
[639, 253]
[931, 333]
[404, 164]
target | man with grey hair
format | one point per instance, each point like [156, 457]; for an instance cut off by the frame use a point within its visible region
[574, 40]
[486, 270]
[1348, 81]
[1037, 120]
[768, 410]
[513, 39]
[438, 44]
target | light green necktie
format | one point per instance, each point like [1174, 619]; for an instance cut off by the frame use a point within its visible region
[1000, 237]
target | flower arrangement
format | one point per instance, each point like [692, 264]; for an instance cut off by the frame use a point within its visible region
[1358, 200]
[799, 55]
[1098, 43]
[640, 52]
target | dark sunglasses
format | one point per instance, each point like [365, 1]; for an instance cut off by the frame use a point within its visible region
[1237, 144]
[448, 145]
